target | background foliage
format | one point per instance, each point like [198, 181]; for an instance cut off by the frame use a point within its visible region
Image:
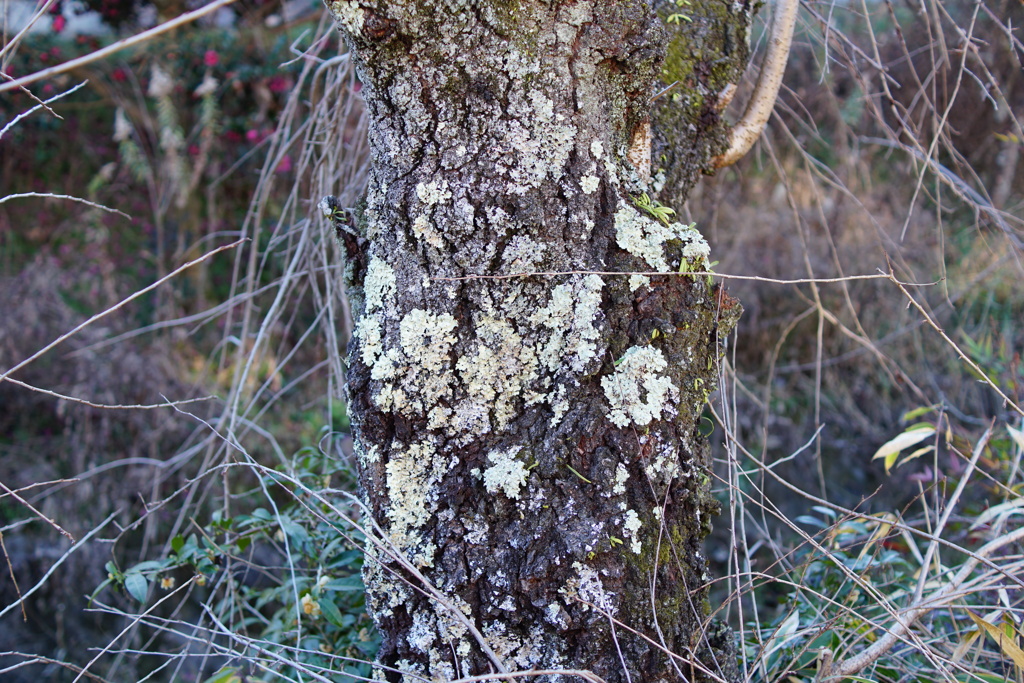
[221, 532]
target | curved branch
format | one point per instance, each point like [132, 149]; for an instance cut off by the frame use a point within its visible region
[746, 132]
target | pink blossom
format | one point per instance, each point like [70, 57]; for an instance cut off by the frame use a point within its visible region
[59, 22]
[285, 165]
[252, 135]
[278, 84]
[211, 58]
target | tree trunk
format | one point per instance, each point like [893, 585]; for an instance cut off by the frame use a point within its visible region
[532, 444]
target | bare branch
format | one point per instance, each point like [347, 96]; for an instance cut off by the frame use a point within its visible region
[746, 132]
[114, 48]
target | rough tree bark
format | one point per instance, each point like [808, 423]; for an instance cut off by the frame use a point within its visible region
[532, 444]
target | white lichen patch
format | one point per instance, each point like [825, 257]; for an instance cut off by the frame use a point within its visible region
[349, 15]
[426, 340]
[506, 474]
[642, 236]
[522, 254]
[433, 192]
[477, 530]
[559, 404]
[367, 457]
[391, 592]
[538, 142]
[631, 526]
[588, 228]
[621, 475]
[518, 65]
[412, 474]
[586, 586]
[370, 332]
[589, 184]
[423, 632]
[524, 653]
[638, 373]
[612, 170]
[411, 673]
[696, 249]
[664, 465]
[645, 237]
[379, 284]
[379, 288]
[636, 281]
[597, 149]
[424, 230]
[571, 316]
[496, 216]
[556, 615]
[494, 375]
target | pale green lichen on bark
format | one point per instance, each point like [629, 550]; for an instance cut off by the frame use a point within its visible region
[637, 391]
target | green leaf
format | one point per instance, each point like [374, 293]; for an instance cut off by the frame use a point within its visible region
[294, 530]
[229, 674]
[137, 585]
[349, 583]
[983, 677]
[330, 612]
[262, 514]
[891, 449]
[100, 587]
[917, 412]
[150, 565]
[177, 543]
[113, 572]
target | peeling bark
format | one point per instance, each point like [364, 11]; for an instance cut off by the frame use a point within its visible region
[530, 444]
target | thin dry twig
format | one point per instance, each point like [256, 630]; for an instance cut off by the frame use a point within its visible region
[960, 352]
[698, 273]
[50, 195]
[37, 513]
[42, 105]
[46, 577]
[119, 305]
[107, 406]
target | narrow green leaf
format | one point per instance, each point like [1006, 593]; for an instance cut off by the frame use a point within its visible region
[891, 449]
[917, 412]
[348, 583]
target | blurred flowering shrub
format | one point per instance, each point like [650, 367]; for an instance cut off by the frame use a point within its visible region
[172, 134]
